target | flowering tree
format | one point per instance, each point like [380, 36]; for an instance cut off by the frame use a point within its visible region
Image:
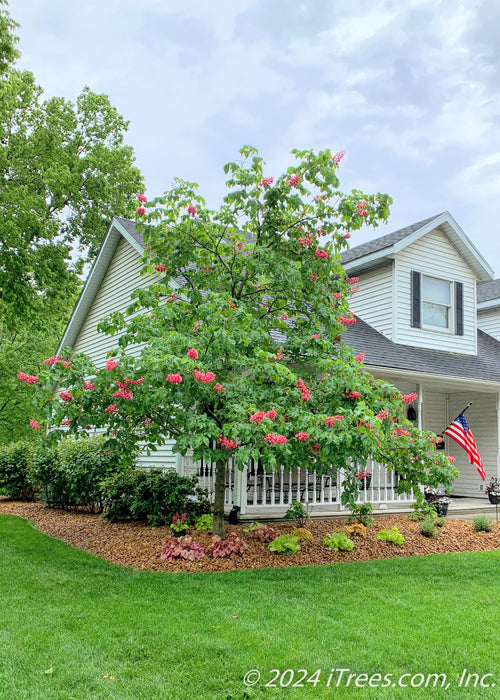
[243, 354]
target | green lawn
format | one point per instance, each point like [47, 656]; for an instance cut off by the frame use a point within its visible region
[73, 626]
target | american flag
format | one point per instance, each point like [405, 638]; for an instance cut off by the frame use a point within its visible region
[461, 433]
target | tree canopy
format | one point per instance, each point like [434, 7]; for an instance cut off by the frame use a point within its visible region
[65, 170]
[243, 353]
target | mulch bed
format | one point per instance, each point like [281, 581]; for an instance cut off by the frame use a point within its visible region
[138, 545]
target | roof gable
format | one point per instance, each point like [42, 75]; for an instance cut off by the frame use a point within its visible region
[119, 228]
[386, 247]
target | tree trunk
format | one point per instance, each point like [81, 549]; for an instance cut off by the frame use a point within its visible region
[220, 488]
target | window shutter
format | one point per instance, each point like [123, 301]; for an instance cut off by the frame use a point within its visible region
[415, 299]
[459, 308]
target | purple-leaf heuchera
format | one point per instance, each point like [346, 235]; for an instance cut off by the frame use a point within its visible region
[241, 335]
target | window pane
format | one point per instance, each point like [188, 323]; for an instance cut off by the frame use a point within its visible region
[437, 291]
[435, 315]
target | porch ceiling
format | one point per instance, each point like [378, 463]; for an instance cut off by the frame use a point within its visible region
[436, 383]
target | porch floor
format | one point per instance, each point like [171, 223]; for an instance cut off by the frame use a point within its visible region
[460, 508]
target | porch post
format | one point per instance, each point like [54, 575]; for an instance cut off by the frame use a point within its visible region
[420, 401]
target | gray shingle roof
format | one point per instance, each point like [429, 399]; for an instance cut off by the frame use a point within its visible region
[129, 226]
[488, 290]
[382, 352]
[384, 241]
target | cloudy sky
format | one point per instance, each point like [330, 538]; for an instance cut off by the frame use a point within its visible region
[409, 89]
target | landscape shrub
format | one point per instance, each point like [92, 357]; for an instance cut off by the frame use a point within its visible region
[205, 522]
[284, 544]
[299, 512]
[338, 540]
[362, 513]
[481, 523]
[392, 535]
[428, 527]
[70, 473]
[303, 534]
[233, 544]
[16, 471]
[356, 530]
[153, 495]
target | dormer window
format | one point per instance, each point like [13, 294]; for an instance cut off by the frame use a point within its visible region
[436, 304]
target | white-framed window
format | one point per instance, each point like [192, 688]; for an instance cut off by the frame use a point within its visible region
[437, 303]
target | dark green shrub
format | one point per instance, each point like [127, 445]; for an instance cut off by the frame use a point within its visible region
[16, 477]
[152, 495]
[70, 473]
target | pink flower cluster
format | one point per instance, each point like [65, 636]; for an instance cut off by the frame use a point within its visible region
[110, 364]
[204, 377]
[338, 157]
[451, 459]
[293, 180]
[352, 280]
[347, 235]
[111, 409]
[35, 424]
[307, 240]
[142, 198]
[353, 395]
[316, 335]
[227, 443]
[266, 182]
[66, 421]
[346, 320]
[192, 354]
[337, 295]
[361, 207]
[132, 381]
[399, 432]
[89, 386]
[161, 267]
[66, 396]
[274, 439]
[360, 357]
[382, 414]
[409, 398]
[123, 394]
[301, 437]
[192, 210]
[27, 378]
[55, 360]
[284, 316]
[174, 378]
[218, 388]
[305, 392]
[141, 211]
[314, 277]
[331, 420]
[321, 253]
[279, 354]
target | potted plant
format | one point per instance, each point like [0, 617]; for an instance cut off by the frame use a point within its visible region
[366, 479]
[438, 500]
[493, 490]
[178, 525]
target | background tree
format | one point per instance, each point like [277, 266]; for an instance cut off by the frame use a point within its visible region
[243, 350]
[64, 172]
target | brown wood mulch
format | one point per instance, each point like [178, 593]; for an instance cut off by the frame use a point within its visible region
[138, 545]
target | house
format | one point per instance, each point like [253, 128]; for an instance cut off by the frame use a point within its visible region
[428, 320]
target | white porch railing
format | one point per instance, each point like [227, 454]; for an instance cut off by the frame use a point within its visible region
[255, 488]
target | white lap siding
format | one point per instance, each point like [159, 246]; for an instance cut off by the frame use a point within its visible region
[122, 278]
[434, 255]
[488, 320]
[373, 302]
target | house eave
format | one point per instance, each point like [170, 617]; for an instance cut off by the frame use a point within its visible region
[446, 379]
[489, 304]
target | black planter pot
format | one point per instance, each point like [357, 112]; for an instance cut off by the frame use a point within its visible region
[365, 483]
[494, 498]
[441, 509]
[180, 533]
